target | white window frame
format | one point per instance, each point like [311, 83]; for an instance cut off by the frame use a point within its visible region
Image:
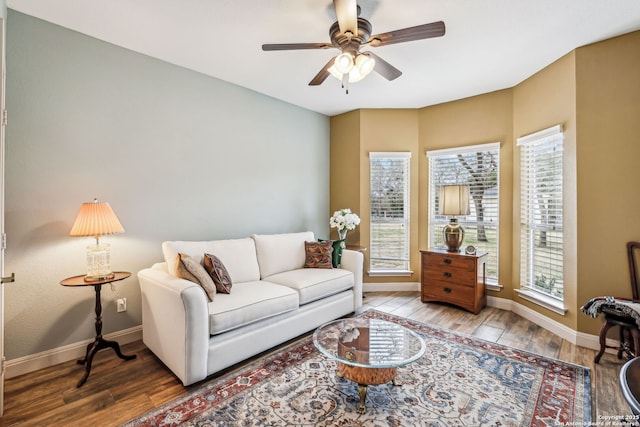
[376, 252]
[542, 263]
[437, 222]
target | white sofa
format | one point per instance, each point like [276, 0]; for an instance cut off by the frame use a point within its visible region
[272, 299]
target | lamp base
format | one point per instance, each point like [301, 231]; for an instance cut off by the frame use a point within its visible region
[99, 278]
[453, 235]
[98, 263]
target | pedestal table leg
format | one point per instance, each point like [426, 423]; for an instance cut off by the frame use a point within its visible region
[99, 343]
[362, 391]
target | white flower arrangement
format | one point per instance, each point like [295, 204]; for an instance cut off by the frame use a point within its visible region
[349, 334]
[344, 220]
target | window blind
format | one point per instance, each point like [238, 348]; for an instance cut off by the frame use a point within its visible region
[541, 212]
[477, 166]
[389, 211]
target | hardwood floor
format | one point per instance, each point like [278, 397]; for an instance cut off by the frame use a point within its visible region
[118, 390]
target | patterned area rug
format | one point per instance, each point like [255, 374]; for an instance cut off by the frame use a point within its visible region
[460, 381]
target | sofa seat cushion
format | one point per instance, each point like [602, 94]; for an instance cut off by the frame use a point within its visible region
[313, 284]
[249, 302]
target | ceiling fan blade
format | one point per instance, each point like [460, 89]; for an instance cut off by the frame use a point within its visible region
[295, 46]
[419, 32]
[322, 74]
[347, 13]
[383, 68]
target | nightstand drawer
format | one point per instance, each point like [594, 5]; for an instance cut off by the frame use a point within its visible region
[449, 292]
[444, 261]
[451, 275]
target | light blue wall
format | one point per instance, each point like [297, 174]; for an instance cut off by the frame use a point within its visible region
[177, 154]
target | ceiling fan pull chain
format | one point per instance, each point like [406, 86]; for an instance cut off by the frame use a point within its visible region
[345, 82]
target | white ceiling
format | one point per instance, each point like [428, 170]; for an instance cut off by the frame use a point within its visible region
[488, 45]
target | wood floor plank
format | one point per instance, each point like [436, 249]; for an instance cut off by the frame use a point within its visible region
[119, 390]
[117, 413]
[499, 318]
[73, 413]
[576, 354]
[545, 343]
[518, 333]
[166, 394]
[609, 399]
[407, 309]
[428, 312]
[489, 333]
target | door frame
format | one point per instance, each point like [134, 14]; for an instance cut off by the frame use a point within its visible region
[3, 240]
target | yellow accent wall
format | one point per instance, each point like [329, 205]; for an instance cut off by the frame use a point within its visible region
[478, 120]
[594, 93]
[360, 133]
[544, 100]
[608, 167]
[344, 175]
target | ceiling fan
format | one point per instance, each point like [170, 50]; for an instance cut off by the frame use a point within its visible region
[350, 34]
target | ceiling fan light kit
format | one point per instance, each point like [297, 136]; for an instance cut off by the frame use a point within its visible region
[365, 63]
[343, 63]
[349, 34]
[354, 70]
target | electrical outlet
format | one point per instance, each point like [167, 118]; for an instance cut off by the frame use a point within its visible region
[121, 305]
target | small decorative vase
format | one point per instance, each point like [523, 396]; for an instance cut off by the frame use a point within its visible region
[342, 234]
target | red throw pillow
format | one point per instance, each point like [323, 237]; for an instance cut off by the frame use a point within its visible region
[318, 254]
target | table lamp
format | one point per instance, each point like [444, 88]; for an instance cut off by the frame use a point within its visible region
[454, 200]
[97, 219]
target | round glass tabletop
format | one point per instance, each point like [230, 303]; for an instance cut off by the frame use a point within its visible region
[368, 343]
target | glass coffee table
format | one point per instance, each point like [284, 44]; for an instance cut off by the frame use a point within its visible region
[368, 351]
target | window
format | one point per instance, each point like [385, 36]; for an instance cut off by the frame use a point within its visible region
[477, 166]
[541, 208]
[389, 213]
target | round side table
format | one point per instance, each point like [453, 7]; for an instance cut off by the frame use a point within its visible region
[99, 343]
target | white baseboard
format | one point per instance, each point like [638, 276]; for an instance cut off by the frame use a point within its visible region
[574, 337]
[391, 287]
[33, 362]
[501, 303]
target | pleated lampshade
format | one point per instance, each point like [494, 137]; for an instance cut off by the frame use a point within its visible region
[96, 219]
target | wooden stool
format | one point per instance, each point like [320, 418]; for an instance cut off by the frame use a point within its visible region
[629, 334]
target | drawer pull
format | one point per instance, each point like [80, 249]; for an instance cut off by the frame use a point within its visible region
[446, 274]
[447, 261]
[447, 290]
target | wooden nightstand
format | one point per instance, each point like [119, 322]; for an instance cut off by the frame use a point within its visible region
[454, 277]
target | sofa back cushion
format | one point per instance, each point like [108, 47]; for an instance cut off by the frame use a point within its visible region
[237, 255]
[281, 252]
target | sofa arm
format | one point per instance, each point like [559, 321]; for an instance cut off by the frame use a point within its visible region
[175, 322]
[354, 262]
